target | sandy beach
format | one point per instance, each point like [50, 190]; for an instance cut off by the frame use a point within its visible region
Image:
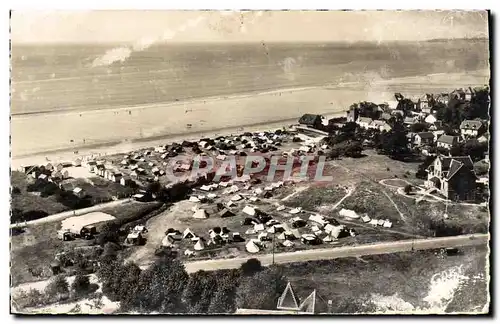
[56, 136]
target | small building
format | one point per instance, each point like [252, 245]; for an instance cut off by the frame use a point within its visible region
[78, 224]
[134, 238]
[140, 197]
[79, 192]
[423, 138]
[125, 181]
[364, 122]
[472, 128]
[352, 115]
[314, 121]
[448, 141]
[381, 125]
[116, 177]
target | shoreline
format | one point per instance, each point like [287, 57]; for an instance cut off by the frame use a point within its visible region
[58, 135]
[121, 147]
[186, 101]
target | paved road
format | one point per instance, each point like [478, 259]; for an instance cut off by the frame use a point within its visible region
[342, 252]
[63, 215]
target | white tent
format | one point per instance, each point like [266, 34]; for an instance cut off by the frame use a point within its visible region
[280, 208]
[167, 241]
[230, 203]
[348, 213]
[262, 236]
[211, 196]
[318, 219]
[199, 245]
[253, 199]
[387, 224]
[366, 218]
[327, 238]
[189, 253]
[223, 184]
[336, 231]
[200, 214]
[258, 227]
[236, 197]
[258, 191]
[328, 228]
[234, 188]
[250, 231]
[295, 210]
[288, 243]
[249, 211]
[374, 222]
[381, 222]
[194, 199]
[188, 233]
[252, 247]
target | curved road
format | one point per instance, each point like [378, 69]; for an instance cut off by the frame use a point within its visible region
[342, 252]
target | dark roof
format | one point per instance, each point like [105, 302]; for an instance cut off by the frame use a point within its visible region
[465, 160]
[310, 119]
[426, 135]
[458, 163]
[471, 124]
[447, 139]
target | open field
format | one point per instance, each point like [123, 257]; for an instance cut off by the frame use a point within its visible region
[420, 280]
[25, 203]
[34, 249]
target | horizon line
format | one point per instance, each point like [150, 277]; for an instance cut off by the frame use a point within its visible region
[170, 42]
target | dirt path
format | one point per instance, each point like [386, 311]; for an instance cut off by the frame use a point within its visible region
[349, 192]
[395, 206]
[70, 213]
[296, 192]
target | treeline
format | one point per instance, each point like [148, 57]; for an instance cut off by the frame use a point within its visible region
[166, 287]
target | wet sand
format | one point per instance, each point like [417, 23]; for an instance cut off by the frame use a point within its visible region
[57, 136]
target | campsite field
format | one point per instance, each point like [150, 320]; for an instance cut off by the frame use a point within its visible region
[25, 203]
[421, 280]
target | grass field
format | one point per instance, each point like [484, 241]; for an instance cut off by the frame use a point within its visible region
[25, 202]
[408, 275]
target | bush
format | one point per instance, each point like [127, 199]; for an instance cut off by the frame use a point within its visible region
[81, 285]
[250, 267]
[408, 189]
[32, 298]
[57, 288]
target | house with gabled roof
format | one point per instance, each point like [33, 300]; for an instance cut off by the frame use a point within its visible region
[453, 177]
[448, 141]
[423, 138]
[364, 122]
[472, 128]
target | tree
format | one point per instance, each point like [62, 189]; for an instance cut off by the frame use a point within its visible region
[419, 127]
[161, 286]
[250, 267]
[57, 287]
[223, 301]
[408, 189]
[198, 292]
[395, 144]
[475, 149]
[108, 233]
[353, 149]
[261, 291]
[81, 285]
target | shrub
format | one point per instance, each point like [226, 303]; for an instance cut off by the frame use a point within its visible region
[57, 288]
[81, 285]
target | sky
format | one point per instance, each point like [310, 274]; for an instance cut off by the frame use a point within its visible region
[142, 27]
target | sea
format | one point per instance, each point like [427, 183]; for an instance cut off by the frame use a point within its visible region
[80, 77]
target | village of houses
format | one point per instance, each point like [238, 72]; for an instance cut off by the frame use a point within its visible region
[249, 215]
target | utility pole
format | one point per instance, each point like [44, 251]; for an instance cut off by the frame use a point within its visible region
[274, 234]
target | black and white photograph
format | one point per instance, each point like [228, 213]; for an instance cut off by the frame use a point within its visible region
[250, 162]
